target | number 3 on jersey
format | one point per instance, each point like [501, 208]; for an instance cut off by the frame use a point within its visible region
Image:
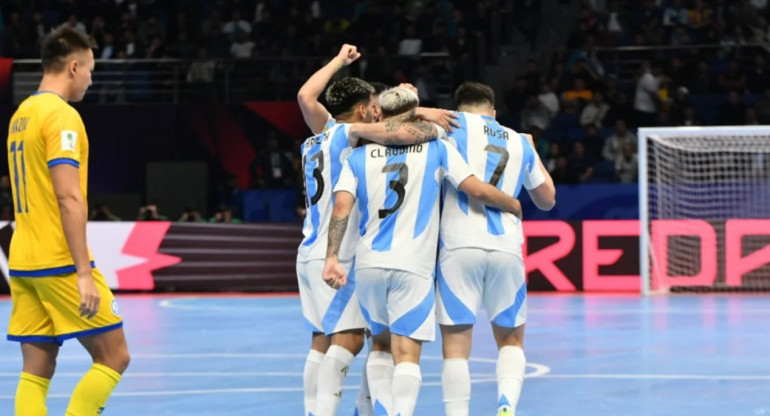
[18, 159]
[317, 175]
[396, 185]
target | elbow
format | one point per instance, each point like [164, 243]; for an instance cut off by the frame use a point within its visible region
[479, 192]
[547, 204]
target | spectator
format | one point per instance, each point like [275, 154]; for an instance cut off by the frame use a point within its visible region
[411, 44]
[76, 24]
[242, 47]
[150, 212]
[225, 216]
[613, 146]
[627, 165]
[578, 92]
[688, 119]
[551, 160]
[646, 101]
[102, 212]
[236, 24]
[594, 112]
[272, 169]
[548, 96]
[560, 173]
[516, 97]
[619, 110]
[580, 167]
[675, 14]
[593, 142]
[535, 115]
[533, 77]
[108, 50]
[763, 108]
[541, 146]
[191, 214]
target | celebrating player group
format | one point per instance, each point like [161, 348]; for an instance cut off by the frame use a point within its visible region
[390, 184]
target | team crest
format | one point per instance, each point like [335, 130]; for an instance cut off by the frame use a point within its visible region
[115, 307]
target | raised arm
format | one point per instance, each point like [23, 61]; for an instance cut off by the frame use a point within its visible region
[544, 196]
[333, 273]
[314, 113]
[490, 195]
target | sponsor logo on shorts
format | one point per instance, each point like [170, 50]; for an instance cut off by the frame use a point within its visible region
[115, 307]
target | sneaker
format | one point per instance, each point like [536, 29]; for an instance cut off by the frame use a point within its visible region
[504, 411]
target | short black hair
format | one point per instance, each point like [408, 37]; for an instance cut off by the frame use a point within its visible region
[474, 93]
[379, 87]
[58, 44]
[346, 93]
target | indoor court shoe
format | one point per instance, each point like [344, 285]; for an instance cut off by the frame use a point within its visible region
[504, 411]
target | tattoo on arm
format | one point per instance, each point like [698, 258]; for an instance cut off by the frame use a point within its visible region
[337, 227]
[420, 131]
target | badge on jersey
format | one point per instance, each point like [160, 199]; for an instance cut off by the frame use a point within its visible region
[69, 140]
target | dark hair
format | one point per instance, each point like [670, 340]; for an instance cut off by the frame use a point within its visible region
[474, 93]
[345, 93]
[59, 44]
[379, 87]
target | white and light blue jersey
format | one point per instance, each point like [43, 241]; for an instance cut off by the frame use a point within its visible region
[501, 157]
[397, 191]
[322, 158]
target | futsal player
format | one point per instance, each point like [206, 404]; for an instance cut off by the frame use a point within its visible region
[480, 260]
[334, 317]
[397, 189]
[56, 292]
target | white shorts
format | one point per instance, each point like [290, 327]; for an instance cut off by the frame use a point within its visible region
[326, 309]
[398, 300]
[468, 277]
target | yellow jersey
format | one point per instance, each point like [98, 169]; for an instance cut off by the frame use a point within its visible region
[45, 131]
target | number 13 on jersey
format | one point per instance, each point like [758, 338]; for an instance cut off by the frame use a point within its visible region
[20, 182]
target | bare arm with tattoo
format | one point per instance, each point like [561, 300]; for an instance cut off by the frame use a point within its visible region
[333, 273]
[394, 132]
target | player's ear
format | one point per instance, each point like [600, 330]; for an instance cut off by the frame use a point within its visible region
[72, 66]
[494, 113]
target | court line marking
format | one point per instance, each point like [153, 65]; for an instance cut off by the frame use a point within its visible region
[647, 309]
[425, 384]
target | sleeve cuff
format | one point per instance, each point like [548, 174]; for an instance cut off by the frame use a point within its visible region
[63, 161]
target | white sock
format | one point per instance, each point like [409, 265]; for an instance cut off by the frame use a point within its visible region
[331, 375]
[310, 379]
[456, 384]
[406, 387]
[364, 400]
[379, 371]
[511, 364]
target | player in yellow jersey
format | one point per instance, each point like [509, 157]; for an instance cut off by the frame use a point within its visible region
[57, 292]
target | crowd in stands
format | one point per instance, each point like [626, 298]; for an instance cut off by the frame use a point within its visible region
[203, 29]
[583, 114]
[580, 109]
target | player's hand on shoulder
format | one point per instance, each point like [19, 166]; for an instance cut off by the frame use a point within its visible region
[348, 54]
[444, 118]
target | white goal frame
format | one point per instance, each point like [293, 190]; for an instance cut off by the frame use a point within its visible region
[643, 135]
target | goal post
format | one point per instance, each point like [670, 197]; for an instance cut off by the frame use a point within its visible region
[704, 208]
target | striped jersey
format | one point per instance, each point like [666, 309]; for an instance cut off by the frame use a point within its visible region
[322, 157]
[503, 158]
[397, 191]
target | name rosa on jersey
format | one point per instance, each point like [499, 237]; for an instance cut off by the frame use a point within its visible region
[495, 133]
[395, 151]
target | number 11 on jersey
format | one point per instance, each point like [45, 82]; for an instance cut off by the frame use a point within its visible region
[18, 159]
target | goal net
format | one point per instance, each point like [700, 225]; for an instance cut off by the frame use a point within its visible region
[704, 204]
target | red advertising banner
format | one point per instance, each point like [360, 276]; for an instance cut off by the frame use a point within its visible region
[590, 256]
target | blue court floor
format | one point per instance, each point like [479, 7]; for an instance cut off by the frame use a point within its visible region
[589, 355]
